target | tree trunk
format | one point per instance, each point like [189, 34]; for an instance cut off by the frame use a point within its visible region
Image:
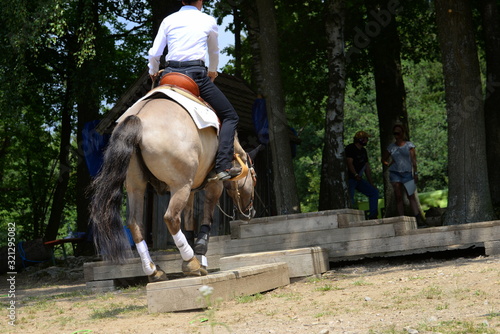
[334, 193]
[251, 17]
[285, 189]
[87, 97]
[468, 191]
[58, 201]
[385, 49]
[237, 42]
[491, 29]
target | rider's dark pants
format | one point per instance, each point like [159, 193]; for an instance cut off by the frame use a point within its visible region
[225, 111]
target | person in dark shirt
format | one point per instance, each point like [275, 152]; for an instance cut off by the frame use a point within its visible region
[358, 167]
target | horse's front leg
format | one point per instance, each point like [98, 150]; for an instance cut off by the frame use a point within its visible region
[213, 191]
[136, 187]
[190, 266]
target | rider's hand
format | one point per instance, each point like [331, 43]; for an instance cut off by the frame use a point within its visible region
[212, 75]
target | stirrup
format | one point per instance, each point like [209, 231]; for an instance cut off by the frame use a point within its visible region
[227, 174]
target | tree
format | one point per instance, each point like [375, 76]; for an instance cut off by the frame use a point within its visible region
[385, 50]
[49, 43]
[468, 192]
[333, 189]
[28, 94]
[283, 175]
[491, 30]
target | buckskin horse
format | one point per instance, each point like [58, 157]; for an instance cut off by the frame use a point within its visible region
[158, 142]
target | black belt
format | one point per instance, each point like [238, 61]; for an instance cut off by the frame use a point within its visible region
[173, 63]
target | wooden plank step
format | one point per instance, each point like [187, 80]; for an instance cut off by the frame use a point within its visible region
[419, 241]
[301, 262]
[323, 239]
[101, 286]
[183, 294]
[401, 224]
[296, 223]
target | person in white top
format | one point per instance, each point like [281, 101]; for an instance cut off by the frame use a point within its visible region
[401, 159]
[189, 35]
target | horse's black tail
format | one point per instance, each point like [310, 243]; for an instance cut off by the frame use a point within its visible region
[107, 193]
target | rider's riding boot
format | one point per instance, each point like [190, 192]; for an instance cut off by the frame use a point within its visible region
[229, 173]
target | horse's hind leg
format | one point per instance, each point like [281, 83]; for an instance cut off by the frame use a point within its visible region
[190, 266]
[136, 187]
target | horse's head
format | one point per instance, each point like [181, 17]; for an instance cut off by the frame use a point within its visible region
[242, 189]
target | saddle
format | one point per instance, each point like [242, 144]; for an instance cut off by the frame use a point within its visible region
[184, 85]
[181, 80]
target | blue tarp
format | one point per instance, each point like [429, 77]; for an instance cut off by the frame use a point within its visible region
[93, 147]
[260, 122]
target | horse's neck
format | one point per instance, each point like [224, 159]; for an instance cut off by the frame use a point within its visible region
[237, 147]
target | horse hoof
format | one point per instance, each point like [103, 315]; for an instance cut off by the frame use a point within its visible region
[203, 271]
[158, 276]
[193, 268]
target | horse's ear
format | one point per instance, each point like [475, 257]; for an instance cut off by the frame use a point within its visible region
[253, 153]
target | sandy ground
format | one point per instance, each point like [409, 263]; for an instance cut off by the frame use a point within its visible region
[457, 295]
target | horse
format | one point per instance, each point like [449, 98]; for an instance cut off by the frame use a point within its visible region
[162, 145]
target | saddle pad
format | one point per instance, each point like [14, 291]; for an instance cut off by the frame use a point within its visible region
[202, 116]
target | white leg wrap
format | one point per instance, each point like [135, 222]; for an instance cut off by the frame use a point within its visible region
[147, 264]
[180, 240]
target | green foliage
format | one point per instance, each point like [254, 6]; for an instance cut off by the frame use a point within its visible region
[42, 45]
[428, 124]
[307, 165]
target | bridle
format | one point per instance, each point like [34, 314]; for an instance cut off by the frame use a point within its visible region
[247, 210]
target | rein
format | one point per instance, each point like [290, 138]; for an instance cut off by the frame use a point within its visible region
[249, 207]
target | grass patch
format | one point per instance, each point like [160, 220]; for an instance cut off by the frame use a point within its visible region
[458, 327]
[113, 310]
[361, 283]
[314, 279]
[289, 296]
[441, 307]
[65, 320]
[445, 327]
[327, 287]
[249, 299]
[479, 293]
[432, 292]
[322, 314]
[41, 305]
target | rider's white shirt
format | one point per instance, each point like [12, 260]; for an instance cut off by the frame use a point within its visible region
[190, 35]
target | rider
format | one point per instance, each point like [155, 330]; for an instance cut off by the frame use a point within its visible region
[188, 35]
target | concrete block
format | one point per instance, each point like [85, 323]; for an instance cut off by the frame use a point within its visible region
[183, 294]
[492, 247]
[301, 262]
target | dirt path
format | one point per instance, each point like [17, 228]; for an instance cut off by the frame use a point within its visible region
[460, 295]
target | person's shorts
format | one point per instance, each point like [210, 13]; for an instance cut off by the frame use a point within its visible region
[402, 177]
